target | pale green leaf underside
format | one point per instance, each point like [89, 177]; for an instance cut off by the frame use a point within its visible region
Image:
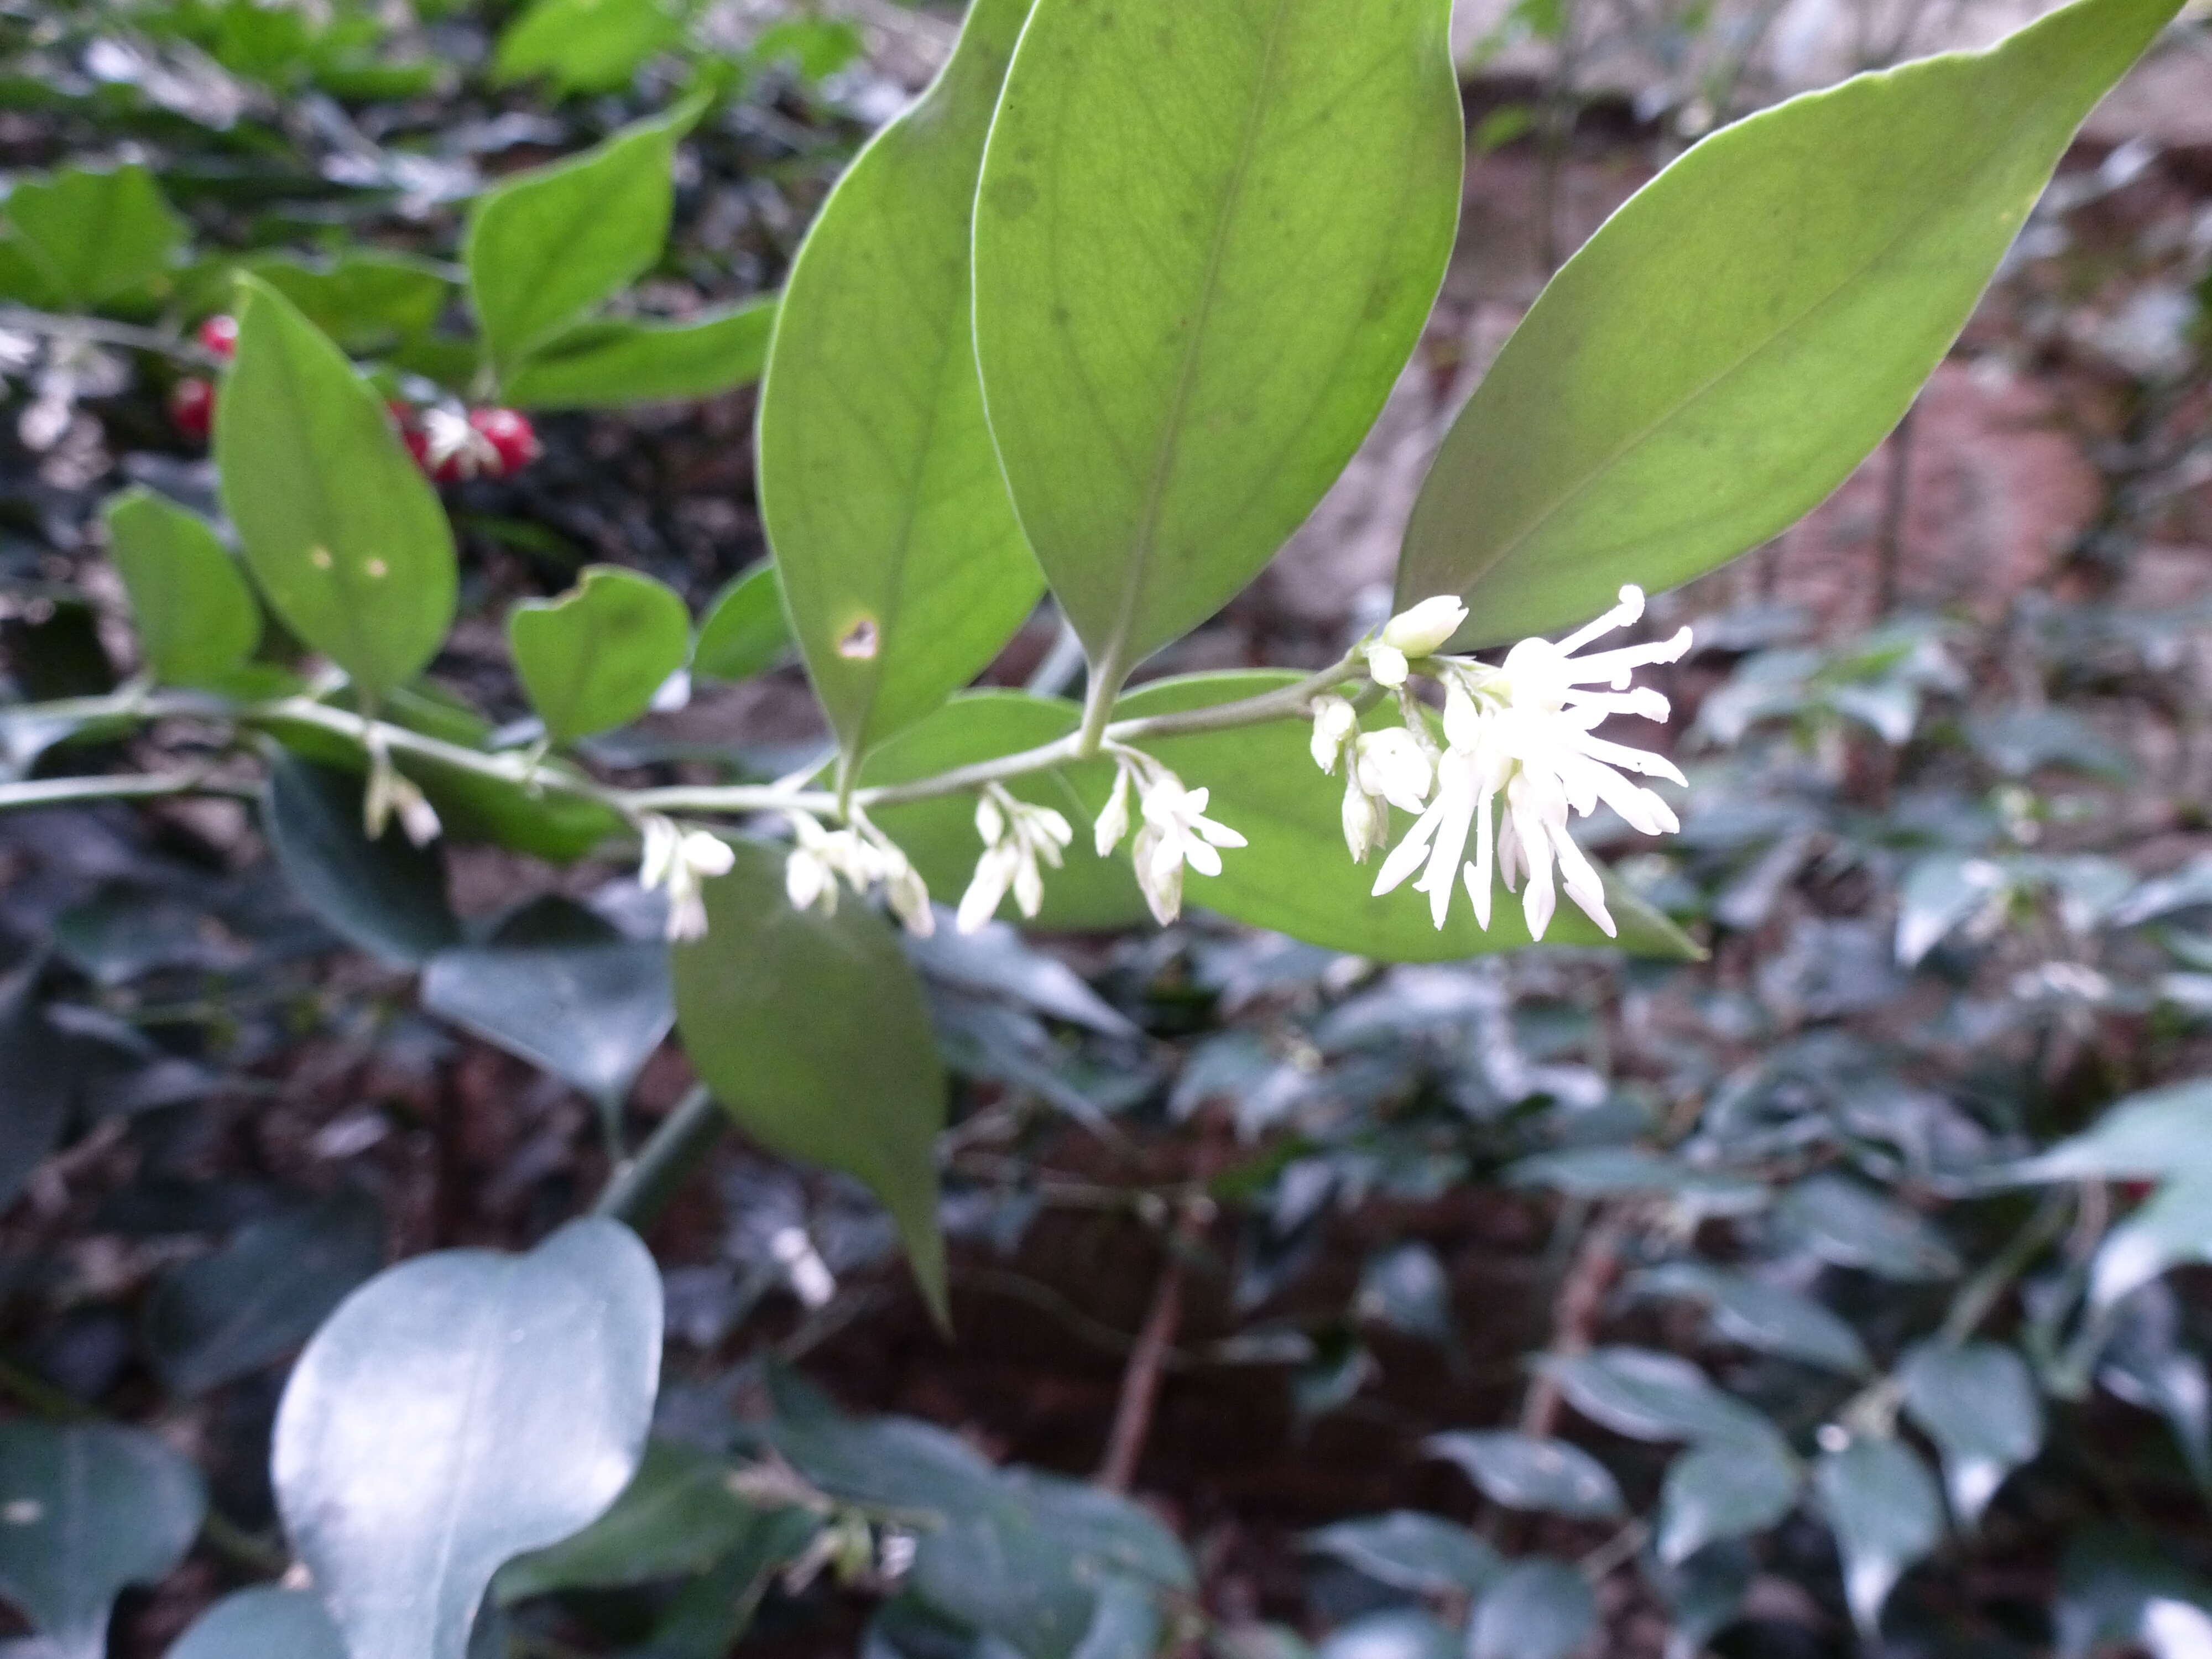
[1206, 241]
[1736, 339]
[903, 564]
[348, 541]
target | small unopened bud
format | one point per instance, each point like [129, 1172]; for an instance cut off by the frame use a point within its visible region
[1422, 631]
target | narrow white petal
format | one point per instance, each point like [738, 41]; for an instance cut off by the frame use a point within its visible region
[1202, 858]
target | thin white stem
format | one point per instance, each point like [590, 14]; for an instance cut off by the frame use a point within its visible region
[522, 769]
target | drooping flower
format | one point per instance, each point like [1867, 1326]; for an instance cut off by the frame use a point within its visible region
[1017, 838]
[1388, 768]
[682, 861]
[1525, 731]
[1175, 831]
[1334, 720]
[860, 856]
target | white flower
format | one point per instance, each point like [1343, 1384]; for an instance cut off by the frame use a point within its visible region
[1525, 731]
[1334, 721]
[1017, 837]
[683, 861]
[1176, 832]
[1419, 632]
[860, 856]
[1113, 821]
[1388, 768]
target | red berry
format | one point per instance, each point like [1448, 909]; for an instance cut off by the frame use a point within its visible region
[510, 435]
[219, 334]
[192, 407]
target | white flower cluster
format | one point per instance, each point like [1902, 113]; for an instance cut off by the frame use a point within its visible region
[861, 855]
[1017, 838]
[1519, 754]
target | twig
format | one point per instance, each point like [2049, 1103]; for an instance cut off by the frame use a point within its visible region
[65, 791]
[1582, 1299]
[100, 332]
[639, 1190]
[1140, 1380]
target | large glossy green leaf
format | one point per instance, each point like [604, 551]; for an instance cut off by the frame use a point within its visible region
[939, 836]
[456, 1411]
[1732, 343]
[1207, 239]
[1524, 1471]
[94, 234]
[264, 1622]
[559, 987]
[344, 535]
[1297, 877]
[592, 658]
[614, 361]
[545, 247]
[263, 1294]
[813, 1031]
[198, 619]
[84, 1510]
[902, 562]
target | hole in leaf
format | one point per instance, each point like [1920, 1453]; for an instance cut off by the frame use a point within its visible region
[860, 640]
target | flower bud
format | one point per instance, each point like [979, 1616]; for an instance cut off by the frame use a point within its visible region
[1334, 719]
[1424, 630]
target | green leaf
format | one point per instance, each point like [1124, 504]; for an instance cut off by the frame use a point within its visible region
[1207, 239]
[1736, 339]
[1845, 1222]
[1394, 1634]
[386, 897]
[939, 834]
[903, 564]
[84, 1510]
[262, 1624]
[744, 631]
[1648, 1396]
[1522, 1472]
[456, 1411]
[614, 361]
[1978, 1403]
[1617, 1171]
[1879, 1497]
[197, 618]
[345, 537]
[2159, 1132]
[1409, 1551]
[561, 988]
[1539, 1610]
[369, 300]
[227, 1315]
[1727, 1489]
[812, 1029]
[677, 1518]
[40, 1088]
[585, 46]
[1761, 1315]
[94, 235]
[592, 658]
[544, 248]
[1296, 875]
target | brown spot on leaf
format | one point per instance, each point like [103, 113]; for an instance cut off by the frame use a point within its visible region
[860, 640]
